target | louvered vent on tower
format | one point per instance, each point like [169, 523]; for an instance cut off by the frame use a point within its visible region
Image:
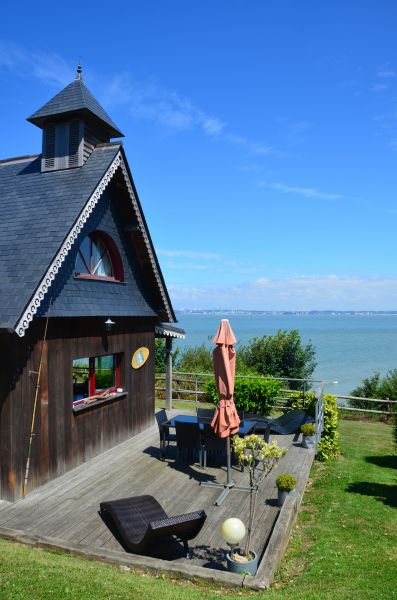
[62, 145]
[49, 148]
[74, 143]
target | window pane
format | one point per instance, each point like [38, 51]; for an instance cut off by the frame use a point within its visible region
[81, 376]
[104, 372]
[80, 266]
[101, 263]
[85, 249]
[97, 251]
[83, 257]
[105, 266]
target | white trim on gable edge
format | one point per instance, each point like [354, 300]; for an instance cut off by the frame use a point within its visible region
[46, 281]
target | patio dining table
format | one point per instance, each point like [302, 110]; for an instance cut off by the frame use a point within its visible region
[245, 427]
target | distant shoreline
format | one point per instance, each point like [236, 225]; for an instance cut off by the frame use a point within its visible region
[228, 311]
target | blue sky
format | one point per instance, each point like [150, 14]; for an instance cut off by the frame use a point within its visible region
[262, 137]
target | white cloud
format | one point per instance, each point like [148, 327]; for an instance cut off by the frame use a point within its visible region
[307, 192]
[152, 102]
[146, 100]
[379, 87]
[324, 292]
[49, 67]
[386, 73]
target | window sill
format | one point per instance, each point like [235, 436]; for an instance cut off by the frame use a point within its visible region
[98, 278]
[111, 398]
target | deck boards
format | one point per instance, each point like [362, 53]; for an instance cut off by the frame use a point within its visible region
[67, 508]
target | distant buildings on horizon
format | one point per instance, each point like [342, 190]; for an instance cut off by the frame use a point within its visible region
[238, 311]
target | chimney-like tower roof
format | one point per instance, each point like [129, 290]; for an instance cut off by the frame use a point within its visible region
[73, 101]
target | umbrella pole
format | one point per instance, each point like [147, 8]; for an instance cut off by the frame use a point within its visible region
[230, 484]
[229, 480]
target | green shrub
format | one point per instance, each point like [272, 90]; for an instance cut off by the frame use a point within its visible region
[160, 355]
[195, 359]
[280, 355]
[376, 387]
[251, 395]
[328, 447]
[308, 429]
[286, 482]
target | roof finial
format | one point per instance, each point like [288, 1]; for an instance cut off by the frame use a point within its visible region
[79, 70]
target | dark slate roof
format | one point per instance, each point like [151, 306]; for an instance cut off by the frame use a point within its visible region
[37, 210]
[75, 98]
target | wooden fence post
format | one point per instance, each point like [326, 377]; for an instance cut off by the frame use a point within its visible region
[168, 373]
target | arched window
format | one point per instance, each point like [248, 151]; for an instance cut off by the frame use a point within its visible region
[98, 258]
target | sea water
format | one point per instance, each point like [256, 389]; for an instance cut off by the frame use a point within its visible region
[348, 347]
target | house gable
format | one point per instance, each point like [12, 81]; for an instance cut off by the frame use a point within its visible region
[85, 297]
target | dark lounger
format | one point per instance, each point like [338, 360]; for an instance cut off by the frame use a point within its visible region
[288, 423]
[140, 520]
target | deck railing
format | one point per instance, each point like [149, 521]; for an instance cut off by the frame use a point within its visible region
[191, 387]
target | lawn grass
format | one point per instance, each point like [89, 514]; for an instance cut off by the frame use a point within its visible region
[184, 404]
[343, 546]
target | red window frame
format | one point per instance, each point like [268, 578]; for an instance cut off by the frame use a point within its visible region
[92, 391]
[114, 255]
[92, 380]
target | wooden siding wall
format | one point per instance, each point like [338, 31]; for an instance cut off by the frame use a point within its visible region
[64, 439]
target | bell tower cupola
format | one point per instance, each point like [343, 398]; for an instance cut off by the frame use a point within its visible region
[73, 123]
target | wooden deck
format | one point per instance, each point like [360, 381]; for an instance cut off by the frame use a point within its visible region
[66, 509]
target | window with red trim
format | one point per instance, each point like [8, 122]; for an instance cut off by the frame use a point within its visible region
[95, 376]
[98, 258]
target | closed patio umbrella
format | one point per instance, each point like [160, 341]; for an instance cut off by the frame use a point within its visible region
[226, 421]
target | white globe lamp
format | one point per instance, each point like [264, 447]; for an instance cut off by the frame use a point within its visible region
[233, 531]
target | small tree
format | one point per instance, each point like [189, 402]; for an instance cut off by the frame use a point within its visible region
[160, 355]
[260, 458]
[376, 387]
[195, 359]
[281, 355]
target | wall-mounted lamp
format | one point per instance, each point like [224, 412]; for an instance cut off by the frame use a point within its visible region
[109, 324]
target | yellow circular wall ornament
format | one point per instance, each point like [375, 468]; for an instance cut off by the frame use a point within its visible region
[139, 357]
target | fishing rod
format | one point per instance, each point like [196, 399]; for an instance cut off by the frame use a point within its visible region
[36, 396]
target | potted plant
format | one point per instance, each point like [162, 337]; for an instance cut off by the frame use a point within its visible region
[309, 435]
[285, 484]
[259, 458]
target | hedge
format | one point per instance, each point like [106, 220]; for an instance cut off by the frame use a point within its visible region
[328, 447]
[251, 395]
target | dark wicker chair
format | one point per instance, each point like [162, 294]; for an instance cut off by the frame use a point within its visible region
[288, 423]
[212, 444]
[205, 415]
[165, 436]
[141, 520]
[188, 440]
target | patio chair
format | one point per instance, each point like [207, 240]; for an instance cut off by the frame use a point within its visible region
[205, 415]
[141, 520]
[188, 438]
[288, 423]
[211, 443]
[165, 436]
